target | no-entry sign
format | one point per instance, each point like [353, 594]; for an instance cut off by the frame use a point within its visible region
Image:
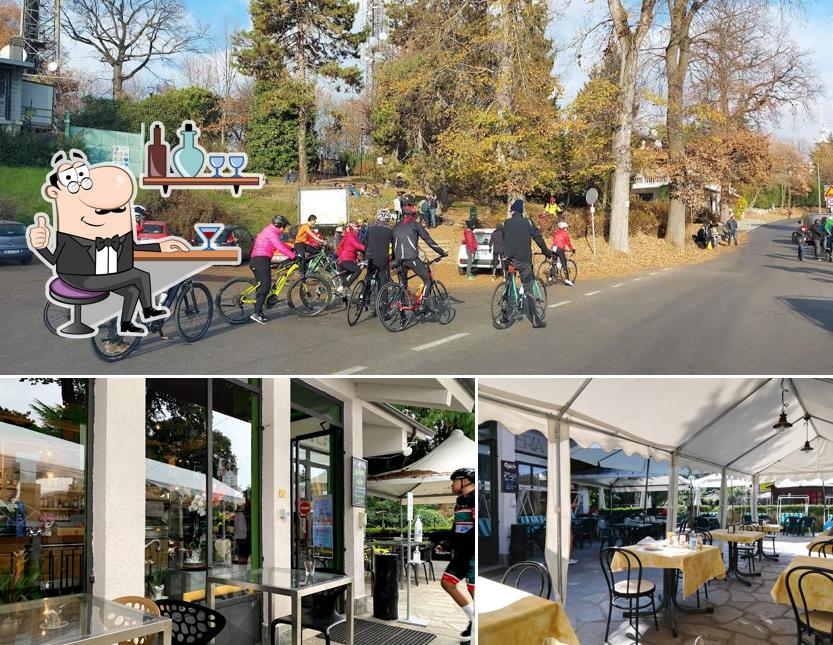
[304, 507]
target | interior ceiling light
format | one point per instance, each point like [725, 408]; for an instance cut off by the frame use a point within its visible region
[782, 423]
[807, 447]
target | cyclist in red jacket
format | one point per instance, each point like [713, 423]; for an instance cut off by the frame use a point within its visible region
[346, 252]
[561, 242]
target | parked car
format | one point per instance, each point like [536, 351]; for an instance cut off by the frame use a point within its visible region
[13, 242]
[483, 255]
[804, 224]
[151, 229]
[236, 235]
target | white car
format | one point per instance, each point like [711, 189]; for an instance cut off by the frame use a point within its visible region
[483, 255]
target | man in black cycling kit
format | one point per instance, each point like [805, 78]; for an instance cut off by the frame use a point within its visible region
[518, 233]
[462, 564]
[406, 236]
[377, 246]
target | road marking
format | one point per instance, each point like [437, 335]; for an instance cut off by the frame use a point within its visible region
[592, 293]
[442, 341]
[666, 269]
[636, 279]
[352, 370]
[653, 273]
[616, 286]
[563, 302]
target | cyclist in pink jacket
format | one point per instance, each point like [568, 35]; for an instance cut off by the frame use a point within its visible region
[347, 254]
[267, 243]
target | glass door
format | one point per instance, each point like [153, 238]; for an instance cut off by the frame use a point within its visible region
[487, 523]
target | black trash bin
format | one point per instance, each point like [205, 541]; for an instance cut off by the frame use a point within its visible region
[518, 544]
[386, 587]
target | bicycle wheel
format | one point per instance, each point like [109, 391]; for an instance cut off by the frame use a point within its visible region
[193, 311]
[540, 293]
[545, 272]
[109, 346]
[569, 272]
[54, 316]
[356, 303]
[394, 307]
[236, 300]
[503, 306]
[441, 304]
[310, 295]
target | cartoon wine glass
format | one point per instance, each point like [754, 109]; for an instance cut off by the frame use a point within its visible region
[237, 162]
[208, 231]
[217, 162]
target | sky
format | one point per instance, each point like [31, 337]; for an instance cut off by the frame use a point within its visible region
[569, 18]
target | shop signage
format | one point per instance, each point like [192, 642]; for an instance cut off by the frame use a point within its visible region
[322, 524]
[531, 443]
[508, 477]
[359, 482]
[304, 508]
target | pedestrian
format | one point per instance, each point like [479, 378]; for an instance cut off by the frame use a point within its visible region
[471, 248]
[339, 235]
[800, 242]
[462, 564]
[828, 237]
[432, 209]
[731, 230]
[425, 212]
[496, 247]
[397, 204]
[551, 208]
[817, 231]
[347, 169]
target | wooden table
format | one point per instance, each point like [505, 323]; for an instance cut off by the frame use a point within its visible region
[697, 567]
[166, 270]
[508, 615]
[733, 539]
[818, 595]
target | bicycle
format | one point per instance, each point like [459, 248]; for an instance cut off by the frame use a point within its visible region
[551, 271]
[508, 300]
[398, 307]
[236, 298]
[363, 296]
[192, 313]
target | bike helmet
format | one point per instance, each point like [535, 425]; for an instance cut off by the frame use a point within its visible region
[383, 217]
[463, 473]
[280, 221]
[562, 224]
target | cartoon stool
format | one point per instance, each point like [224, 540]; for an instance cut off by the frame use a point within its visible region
[60, 291]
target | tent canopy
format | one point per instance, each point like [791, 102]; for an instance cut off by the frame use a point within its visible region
[429, 478]
[713, 423]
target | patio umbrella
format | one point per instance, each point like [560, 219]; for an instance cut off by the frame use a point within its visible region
[602, 503]
[584, 500]
[649, 503]
[698, 501]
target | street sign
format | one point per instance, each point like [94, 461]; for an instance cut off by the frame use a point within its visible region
[828, 191]
[591, 196]
[304, 507]
[829, 201]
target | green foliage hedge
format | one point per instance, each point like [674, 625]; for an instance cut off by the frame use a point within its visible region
[26, 148]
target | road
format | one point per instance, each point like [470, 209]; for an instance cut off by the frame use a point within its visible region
[754, 311]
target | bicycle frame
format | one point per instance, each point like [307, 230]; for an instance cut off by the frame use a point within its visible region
[279, 280]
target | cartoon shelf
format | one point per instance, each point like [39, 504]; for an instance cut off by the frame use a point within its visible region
[185, 167]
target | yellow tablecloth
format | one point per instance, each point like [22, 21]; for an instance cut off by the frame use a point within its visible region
[818, 540]
[506, 615]
[818, 592]
[745, 537]
[697, 566]
[772, 528]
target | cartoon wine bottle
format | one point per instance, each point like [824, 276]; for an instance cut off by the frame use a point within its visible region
[188, 156]
[157, 153]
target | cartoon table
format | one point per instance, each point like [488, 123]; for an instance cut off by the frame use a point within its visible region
[166, 270]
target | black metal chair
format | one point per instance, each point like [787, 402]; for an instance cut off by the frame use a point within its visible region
[824, 549]
[815, 623]
[748, 551]
[318, 612]
[609, 535]
[584, 531]
[520, 568]
[792, 525]
[631, 588]
[193, 624]
[369, 566]
[808, 523]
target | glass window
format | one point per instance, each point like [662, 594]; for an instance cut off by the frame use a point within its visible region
[525, 474]
[43, 436]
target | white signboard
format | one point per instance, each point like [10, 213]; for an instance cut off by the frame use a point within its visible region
[410, 515]
[329, 205]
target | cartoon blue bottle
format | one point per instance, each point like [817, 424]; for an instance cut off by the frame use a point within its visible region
[188, 157]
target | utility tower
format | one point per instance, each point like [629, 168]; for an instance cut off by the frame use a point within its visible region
[40, 27]
[376, 22]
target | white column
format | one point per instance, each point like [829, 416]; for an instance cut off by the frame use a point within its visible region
[558, 505]
[277, 473]
[353, 530]
[753, 497]
[118, 495]
[723, 510]
[673, 476]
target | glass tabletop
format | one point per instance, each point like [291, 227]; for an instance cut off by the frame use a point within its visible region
[68, 619]
[277, 578]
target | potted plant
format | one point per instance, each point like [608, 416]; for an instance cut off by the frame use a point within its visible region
[155, 583]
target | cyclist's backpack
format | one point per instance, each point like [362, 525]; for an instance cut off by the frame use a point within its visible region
[363, 234]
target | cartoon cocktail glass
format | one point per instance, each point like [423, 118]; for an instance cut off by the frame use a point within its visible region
[237, 162]
[217, 162]
[207, 232]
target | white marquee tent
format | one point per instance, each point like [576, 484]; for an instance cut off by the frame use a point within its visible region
[428, 478]
[722, 425]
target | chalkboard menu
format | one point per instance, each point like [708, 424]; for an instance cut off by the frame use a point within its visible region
[509, 476]
[359, 482]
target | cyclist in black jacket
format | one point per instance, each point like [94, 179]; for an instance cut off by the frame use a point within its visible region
[406, 236]
[378, 244]
[518, 233]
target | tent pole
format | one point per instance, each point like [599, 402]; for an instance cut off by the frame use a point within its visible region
[645, 495]
[723, 510]
[753, 500]
[671, 518]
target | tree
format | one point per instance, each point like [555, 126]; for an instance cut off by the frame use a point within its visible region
[9, 20]
[128, 34]
[310, 37]
[628, 40]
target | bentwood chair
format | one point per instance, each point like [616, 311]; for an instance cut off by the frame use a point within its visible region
[629, 587]
[816, 624]
[540, 572]
[142, 604]
[823, 549]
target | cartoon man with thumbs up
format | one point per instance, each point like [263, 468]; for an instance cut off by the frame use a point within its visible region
[94, 244]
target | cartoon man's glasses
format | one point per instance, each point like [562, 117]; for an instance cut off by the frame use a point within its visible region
[76, 178]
